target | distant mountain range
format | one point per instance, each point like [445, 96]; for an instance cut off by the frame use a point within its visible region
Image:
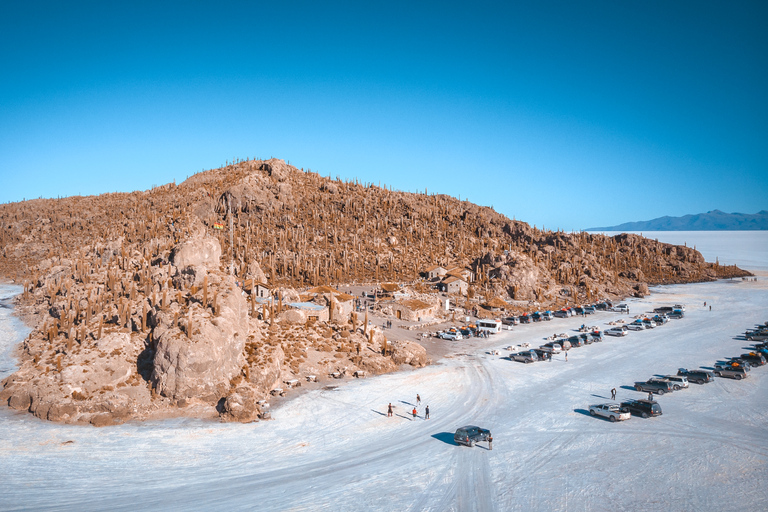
[710, 221]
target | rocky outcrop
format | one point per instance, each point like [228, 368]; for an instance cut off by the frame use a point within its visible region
[409, 352]
[240, 406]
[202, 362]
[199, 253]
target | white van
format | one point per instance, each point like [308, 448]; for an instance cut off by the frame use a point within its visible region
[492, 326]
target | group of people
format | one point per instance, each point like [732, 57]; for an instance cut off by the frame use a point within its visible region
[415, 412]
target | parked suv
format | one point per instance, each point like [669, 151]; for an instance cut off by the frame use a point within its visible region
[620, 308]
[753, 358]
[731, 372]
[658, 386]
[642, 408]
[678, 381]
[529, 356]
[470, 435]
[697, 376]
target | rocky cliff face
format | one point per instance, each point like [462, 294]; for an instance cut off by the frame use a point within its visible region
[136, 305]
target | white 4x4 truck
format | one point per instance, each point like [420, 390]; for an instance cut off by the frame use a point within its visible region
[610, 411]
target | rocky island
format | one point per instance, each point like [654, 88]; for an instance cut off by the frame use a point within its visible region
[207, 297]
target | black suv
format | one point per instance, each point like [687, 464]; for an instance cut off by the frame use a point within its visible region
[753, 358]
[470, 435]
[697, 376]
[643, 408]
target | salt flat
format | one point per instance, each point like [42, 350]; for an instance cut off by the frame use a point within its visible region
[335, 449]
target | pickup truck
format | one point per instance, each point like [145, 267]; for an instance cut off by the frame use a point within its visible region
[658, 386]
[610, 411]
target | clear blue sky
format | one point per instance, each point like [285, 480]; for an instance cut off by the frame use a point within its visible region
[565, 114]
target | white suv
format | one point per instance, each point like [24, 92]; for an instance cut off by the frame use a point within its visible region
[678, 381]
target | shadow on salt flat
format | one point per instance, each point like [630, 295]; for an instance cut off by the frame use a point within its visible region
[446, 437]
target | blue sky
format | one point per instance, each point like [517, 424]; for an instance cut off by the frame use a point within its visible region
[562, 114]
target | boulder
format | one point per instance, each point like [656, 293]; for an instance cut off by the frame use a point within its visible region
[240, 406]
[254, 272]
[409, 352]
[202, 363]
[267, 376]
[293, 316]
[203, 252]
[641, 290]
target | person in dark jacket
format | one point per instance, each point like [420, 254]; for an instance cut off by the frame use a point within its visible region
[426, 413]
[613, 394]
[389, 411]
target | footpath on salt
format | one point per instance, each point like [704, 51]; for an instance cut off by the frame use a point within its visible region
[335, 449]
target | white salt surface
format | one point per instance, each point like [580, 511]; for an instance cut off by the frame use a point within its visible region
[337, 450]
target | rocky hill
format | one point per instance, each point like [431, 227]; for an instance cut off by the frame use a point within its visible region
[137, 299]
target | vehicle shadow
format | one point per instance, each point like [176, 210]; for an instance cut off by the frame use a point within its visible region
[740, 338]
[445, 437]
[379, 412]
[710, 368]
[631, 388]
[582, 411]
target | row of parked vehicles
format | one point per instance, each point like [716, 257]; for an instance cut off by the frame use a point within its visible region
[735, 367]
[739, 367]
[589, 335]
[589, 309]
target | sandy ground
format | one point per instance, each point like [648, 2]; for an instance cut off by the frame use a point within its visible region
[335, 449]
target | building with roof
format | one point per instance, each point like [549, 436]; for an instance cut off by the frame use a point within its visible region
[454, 285]
[435, 272]
[413, 310]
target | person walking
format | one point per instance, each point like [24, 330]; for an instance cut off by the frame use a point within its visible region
[613, 394]
[490, 442]
[426, 413]
[389, 411]
[566, 357]
[415, 413]
[418, 399]
[650, 396]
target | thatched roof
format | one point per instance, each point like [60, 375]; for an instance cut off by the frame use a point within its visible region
[496, 303]
[414, 304]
